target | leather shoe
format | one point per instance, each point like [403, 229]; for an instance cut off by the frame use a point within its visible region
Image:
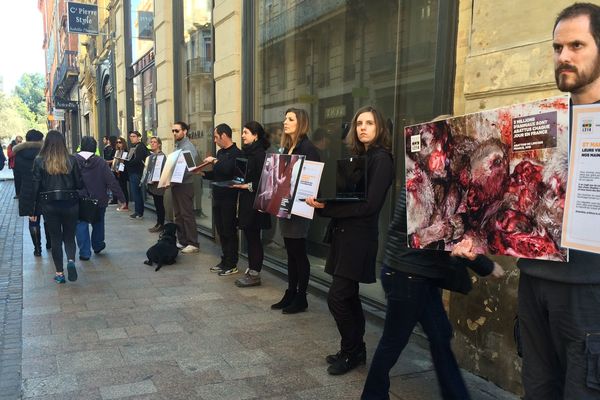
[346, 362]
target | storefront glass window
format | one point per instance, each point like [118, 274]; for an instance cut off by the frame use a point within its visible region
[196, 60]
[331, 57]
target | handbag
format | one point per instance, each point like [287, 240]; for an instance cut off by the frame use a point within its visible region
[88, 209]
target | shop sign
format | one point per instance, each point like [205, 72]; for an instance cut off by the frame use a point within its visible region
[63, 104]
[335, 112]
[83, 18]
[145, 25]
[59, 115]
[143, 62]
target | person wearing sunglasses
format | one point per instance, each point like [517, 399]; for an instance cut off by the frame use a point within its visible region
[183, 195]
[135, 168]
[121, 172]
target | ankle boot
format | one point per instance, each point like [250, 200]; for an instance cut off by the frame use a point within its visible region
[298, 305]
[285, 301]
[47, 233]
[34, 231]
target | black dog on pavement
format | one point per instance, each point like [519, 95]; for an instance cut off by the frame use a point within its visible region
[165, 250]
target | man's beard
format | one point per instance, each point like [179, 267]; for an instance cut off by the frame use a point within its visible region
[582, 79]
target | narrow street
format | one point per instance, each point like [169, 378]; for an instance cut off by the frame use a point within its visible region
[125, 331]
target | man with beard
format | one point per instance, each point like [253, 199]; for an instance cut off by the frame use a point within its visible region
[559, 303]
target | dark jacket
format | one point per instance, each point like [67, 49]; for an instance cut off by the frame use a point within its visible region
[355, 226]
[60, 190]
[97, 179]
[25, 153]
[135, 162]
[297, 227]
[108, 153]
[223, 171]
[2, 158]
[448, 272]
[248, 217]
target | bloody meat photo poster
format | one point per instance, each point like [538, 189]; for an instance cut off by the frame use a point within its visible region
[278, 184]
[497, 177]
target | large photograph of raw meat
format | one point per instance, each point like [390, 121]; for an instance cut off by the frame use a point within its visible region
[278, 184]
[497, 177]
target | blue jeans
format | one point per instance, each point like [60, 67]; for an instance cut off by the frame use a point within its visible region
[136, 193]
[412, 300]
[83, 235]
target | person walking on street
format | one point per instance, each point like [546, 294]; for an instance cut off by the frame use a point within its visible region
[97, 180]
[135, 168]
[11, 163]
[225, 199]
[251, 221]
[183, 195]
[56, 182]
[25, 153]
[411, 280]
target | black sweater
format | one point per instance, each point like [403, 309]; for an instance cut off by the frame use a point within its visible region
[223, 171]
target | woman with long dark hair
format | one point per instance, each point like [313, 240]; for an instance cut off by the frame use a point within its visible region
[354, 232]
[294, 140]
[56, 180]
[251, 221]
[118, 168]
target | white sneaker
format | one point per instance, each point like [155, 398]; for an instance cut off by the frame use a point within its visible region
[180, 246]
[189, 249]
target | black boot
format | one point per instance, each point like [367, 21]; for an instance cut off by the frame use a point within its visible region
[347, 361]
[298, 305]
[47, 232]
[34, 231]
[361, 353]
[285, 301]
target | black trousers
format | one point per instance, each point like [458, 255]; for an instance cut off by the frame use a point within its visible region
[560, 332]
[61, 223]
[122, 179]
[224, 213]
[255, 249]
[159, 204]
[346, 308]
[298, 264]
[17, 182]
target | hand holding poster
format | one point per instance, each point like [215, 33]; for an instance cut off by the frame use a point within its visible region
[496, 177]
[167, 172]
[278, 183]
[582, 205]
[157, 168]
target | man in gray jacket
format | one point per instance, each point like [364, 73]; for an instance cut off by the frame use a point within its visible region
[183, 194]
[559, 303]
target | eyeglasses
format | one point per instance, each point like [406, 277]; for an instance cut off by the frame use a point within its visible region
[175, 130]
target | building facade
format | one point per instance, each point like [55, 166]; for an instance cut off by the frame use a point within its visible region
[230, 61]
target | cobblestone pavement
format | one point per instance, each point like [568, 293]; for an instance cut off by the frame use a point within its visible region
[125, 331]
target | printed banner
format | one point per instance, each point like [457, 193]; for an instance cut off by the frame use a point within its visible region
[498, 177]
[278, 183]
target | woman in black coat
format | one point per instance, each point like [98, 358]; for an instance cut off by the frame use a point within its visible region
[24, 154]
[354, 232]
[251, 221]
[295, 230]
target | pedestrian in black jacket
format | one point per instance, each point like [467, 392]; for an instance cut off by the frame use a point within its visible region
[24, 154]
[97, 180]
[56, 181]
[354, 232]
[251, 221]
[411, 279]
[295, 229]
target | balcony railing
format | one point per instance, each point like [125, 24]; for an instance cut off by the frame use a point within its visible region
[67, 68]
[199, 65]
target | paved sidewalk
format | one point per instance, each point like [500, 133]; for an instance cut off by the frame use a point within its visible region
[125, 331]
